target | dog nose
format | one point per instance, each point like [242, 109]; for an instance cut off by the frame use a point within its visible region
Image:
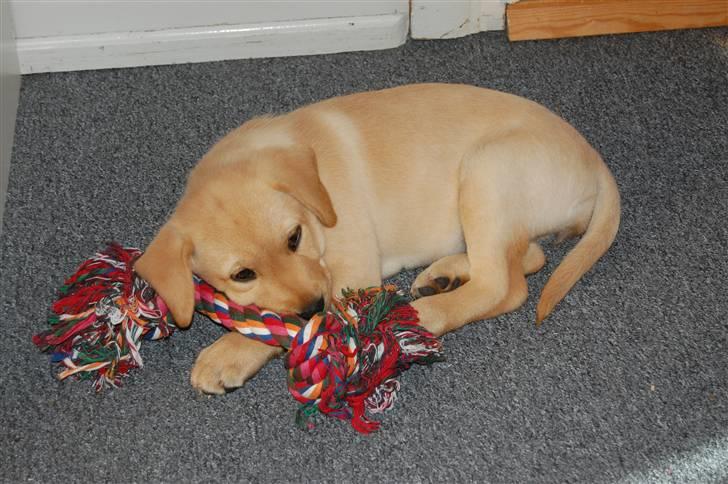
[314, 308]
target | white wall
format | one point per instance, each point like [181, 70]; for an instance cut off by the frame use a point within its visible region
[9, 89]
[88, 34]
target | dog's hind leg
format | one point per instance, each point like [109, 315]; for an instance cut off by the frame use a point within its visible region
[517, 287]
[443, 275]
[499, 249]
[497, 285]
[495, 179]
[452, 271]
[534, 260]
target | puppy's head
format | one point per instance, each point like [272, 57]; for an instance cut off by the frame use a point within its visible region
[251, 224]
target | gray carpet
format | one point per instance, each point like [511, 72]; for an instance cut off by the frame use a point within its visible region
[627, 380]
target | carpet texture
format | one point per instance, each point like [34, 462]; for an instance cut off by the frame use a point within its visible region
[627, 380]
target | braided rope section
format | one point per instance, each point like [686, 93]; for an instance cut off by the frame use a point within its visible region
[342, 363]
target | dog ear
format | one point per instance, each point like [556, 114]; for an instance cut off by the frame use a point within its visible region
[295, 171]
[166, 266]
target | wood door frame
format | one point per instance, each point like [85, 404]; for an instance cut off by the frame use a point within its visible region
[550, 19]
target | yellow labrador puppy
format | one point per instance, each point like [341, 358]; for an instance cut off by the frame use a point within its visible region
[286, 211]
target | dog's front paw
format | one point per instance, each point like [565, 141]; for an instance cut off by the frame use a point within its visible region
[229, 362]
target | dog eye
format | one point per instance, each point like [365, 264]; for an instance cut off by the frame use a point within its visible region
[245, 275]
[294, 239]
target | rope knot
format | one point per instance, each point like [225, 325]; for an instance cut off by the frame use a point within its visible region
[321, 360]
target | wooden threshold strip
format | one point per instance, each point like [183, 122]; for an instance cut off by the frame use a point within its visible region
[550, 19]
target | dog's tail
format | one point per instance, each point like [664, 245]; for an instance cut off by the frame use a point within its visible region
[594, 243]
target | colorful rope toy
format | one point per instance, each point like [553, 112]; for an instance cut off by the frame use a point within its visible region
[343, 362]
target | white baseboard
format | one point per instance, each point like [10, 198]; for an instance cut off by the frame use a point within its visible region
[211, 43]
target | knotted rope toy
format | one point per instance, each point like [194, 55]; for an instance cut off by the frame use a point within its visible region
[342, 363]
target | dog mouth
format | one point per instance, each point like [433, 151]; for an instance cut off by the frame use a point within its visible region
[323, 302]
[314, 308]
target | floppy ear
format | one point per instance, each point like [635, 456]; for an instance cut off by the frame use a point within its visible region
[166, 266]
[294, 171]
